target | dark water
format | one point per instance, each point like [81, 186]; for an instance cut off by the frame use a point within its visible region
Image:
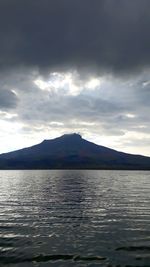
[74, 218]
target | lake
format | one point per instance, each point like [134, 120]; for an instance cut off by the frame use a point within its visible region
[74, 218]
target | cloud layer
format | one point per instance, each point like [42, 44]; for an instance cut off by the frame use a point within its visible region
[108, 110]
[108, 35]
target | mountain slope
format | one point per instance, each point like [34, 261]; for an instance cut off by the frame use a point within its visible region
[71, 151]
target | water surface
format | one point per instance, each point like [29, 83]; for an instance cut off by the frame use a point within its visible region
[74, 218]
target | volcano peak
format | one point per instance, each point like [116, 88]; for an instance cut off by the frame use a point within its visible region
[71, 136]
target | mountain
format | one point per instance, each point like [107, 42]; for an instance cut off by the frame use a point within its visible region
[71, 151]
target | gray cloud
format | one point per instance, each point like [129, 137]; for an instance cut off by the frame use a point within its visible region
[8, 99]
[116, 110]
[107, 35]
[109, 103]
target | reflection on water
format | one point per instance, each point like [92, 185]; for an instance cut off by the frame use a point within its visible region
[74, 218]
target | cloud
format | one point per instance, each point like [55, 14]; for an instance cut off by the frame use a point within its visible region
[100, 35]
[8, 99]
[111, 97]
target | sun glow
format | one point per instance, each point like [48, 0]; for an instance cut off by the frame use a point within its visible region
[59, 83]
[93, 83]
[131, 116]
[66, 83]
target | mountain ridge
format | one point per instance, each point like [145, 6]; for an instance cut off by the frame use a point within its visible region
[71, 151]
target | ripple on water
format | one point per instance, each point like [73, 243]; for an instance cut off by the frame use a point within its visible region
[74, 218]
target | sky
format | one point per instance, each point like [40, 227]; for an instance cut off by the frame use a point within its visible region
[75, 66]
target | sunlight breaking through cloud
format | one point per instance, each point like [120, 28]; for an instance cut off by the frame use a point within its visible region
[66, 83]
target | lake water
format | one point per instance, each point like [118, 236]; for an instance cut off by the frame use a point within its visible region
[74, 218]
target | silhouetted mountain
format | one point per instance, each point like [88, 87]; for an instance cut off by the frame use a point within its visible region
[71, 151]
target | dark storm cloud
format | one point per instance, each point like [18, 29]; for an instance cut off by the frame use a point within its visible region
[109, 35]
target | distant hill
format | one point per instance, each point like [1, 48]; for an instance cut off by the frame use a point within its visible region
[71, 151]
